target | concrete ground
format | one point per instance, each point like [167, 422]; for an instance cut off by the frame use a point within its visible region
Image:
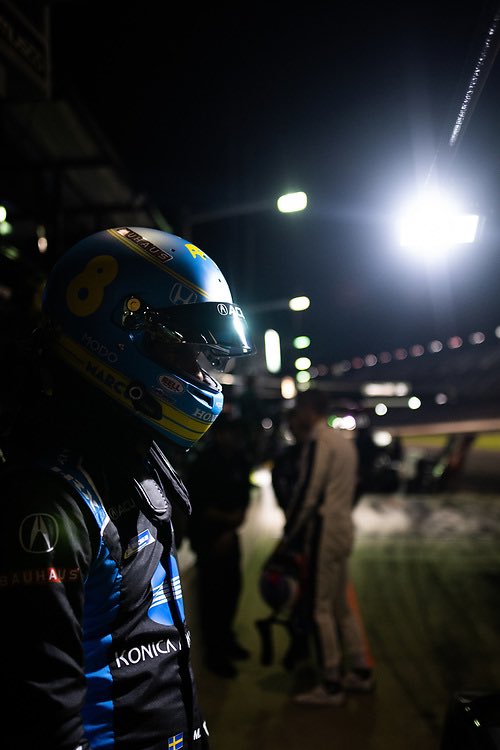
[426, 571]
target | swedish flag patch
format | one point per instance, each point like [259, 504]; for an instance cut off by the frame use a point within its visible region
[176, 742]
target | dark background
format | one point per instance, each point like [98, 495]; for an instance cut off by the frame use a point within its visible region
[210, 108]
[229, 104]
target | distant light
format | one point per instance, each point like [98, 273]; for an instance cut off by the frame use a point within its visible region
[299, 303]
[5, 228]
[382, 438]
[441, 398]
[342, 423]
[11, 252]
[288, 389]
[384, 357]
[455, 342]
[303, 376]
[370, 360]
[497, 332]
[477, 337]
[358, 363]
[303, 386]
[385, 389]
[3, 213]
[414, 403]
[292, 202]
[435, 346]
[302, 363]
[42, 239]
[400, 354]
[349, 422]
[380, 410]
[417, 350]
[272, 350]
[267, 423]
[339, 368]
[301, 342]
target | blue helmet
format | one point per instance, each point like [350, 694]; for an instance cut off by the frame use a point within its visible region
[143, 316]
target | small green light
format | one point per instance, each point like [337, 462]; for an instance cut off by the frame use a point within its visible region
[301, 342]
[5, 228]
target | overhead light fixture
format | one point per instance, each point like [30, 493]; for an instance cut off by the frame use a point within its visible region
[272, 349]
[299, 303]
[292, 202]
[432, 225]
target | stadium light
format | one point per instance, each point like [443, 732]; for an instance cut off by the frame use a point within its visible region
[433, 224]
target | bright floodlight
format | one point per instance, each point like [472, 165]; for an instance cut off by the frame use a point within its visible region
[299, 303]
[291, 202]
[272, 350]
[433, 225]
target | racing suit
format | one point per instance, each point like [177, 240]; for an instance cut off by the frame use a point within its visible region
[94, 638]
[320, 520]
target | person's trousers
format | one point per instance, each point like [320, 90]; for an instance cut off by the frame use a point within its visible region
[337, 631]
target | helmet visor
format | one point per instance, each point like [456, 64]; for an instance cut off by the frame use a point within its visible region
[218, 329]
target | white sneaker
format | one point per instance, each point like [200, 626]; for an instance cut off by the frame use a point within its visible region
[354, 682]
[320, 696]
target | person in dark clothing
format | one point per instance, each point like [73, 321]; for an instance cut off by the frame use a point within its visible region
[223, 465]
[286, 464]
[96, 642]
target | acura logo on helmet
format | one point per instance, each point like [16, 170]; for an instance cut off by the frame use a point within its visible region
[223, 309]
[38, 533]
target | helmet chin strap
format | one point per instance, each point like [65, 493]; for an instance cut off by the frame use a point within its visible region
[156, 497]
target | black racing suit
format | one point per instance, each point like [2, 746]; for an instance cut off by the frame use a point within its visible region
[93, 634]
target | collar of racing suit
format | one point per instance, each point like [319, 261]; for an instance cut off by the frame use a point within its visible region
[159, 487]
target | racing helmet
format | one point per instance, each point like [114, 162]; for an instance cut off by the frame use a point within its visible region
[281, 580]
[143, 316]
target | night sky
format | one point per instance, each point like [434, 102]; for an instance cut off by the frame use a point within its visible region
[219, 105]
